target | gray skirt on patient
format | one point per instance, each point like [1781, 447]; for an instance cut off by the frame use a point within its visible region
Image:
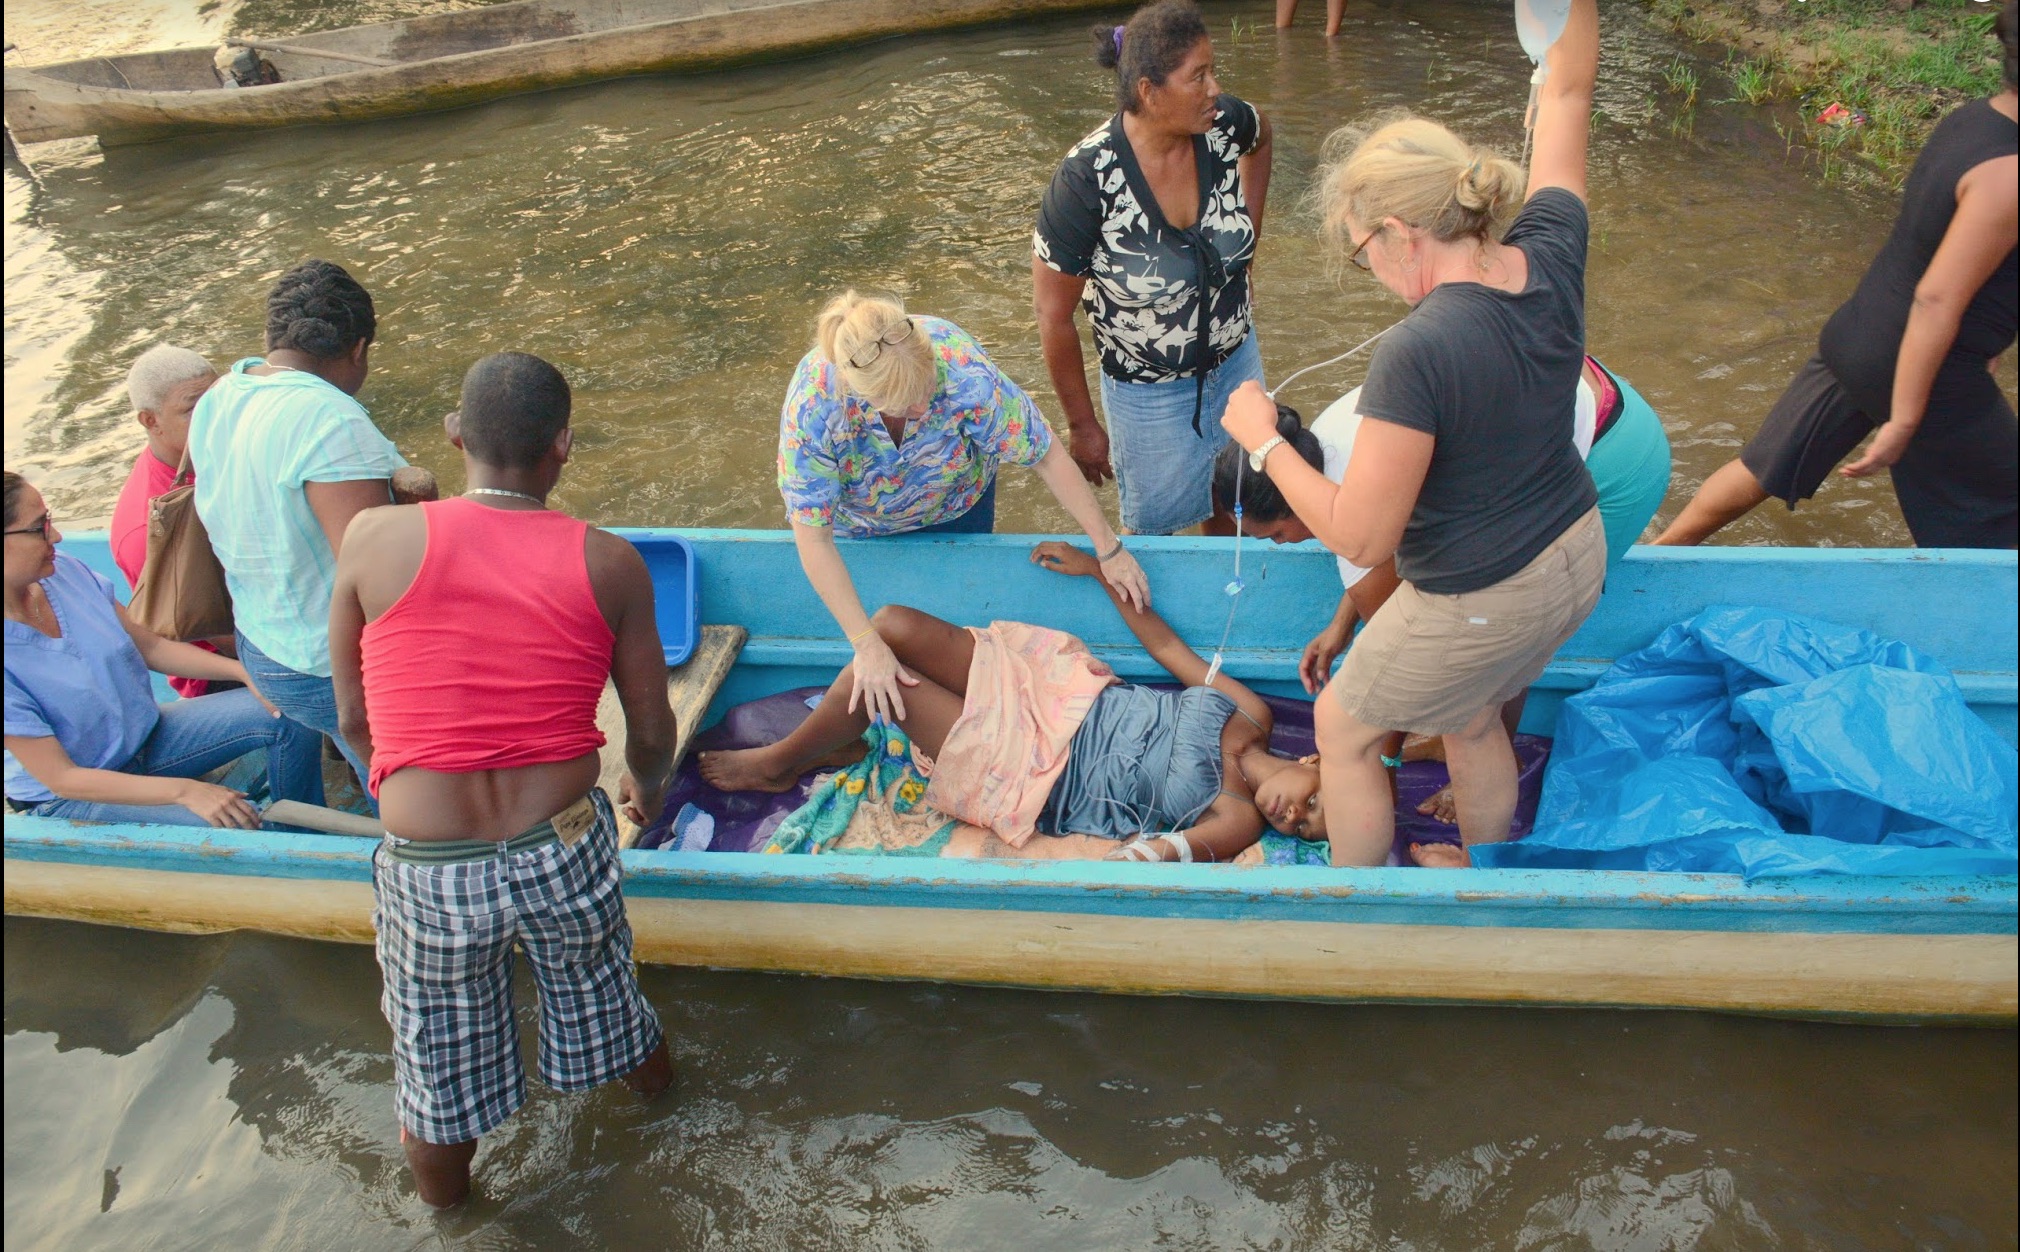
[1144, 761]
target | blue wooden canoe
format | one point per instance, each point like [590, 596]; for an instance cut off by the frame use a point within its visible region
[1839, 947]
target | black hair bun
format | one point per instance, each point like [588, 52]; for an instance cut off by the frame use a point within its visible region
[1107, 46]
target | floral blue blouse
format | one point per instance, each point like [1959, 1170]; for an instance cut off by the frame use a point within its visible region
[839, 468]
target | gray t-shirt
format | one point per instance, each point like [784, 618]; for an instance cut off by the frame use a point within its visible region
[1493, 377]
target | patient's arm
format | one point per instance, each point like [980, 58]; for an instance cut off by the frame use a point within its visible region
[1226, 830]
[1153, 632]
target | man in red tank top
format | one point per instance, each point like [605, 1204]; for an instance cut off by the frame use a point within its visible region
[472, 666]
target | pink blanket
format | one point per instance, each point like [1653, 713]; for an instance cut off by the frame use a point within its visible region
[1029, 688]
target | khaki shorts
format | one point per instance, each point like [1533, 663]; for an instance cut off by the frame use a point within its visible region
[1428, 663]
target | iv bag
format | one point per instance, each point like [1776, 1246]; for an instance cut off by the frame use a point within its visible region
[1538, 23]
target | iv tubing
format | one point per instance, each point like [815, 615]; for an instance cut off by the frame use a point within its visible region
[1321, 365]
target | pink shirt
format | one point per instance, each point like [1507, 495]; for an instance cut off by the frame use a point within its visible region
[150, 477]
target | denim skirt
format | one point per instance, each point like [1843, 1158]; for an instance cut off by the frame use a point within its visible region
[1163, 470]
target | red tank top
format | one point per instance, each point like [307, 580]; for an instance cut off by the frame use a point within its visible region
[496, 656]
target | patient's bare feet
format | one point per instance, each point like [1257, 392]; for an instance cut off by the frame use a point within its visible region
[748, 769]
[1423, 748]
[1442, 806]
[1440, 855]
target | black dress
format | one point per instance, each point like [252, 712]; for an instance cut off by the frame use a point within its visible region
[1959, 481]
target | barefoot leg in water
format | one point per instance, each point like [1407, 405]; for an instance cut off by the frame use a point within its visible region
[1443, 805]
[441, 1170]
[654, 1076]
[935, 651]
[1728, 495]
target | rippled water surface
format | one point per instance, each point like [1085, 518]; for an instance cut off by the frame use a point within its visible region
[667, 240]
[238, 1094]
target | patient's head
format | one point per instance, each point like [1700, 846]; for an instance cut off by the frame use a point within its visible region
[1265, 512]
[1289, 800]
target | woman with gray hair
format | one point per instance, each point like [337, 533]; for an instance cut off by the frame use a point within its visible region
[164, 383]
[895, 424]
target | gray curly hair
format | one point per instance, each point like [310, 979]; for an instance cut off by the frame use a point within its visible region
[158, 371]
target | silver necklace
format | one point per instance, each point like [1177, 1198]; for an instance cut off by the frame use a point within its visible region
[500, 491]
[28, 603]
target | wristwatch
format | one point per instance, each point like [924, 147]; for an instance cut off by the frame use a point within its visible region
[1256, 458]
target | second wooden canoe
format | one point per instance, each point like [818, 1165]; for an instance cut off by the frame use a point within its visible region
[449, 60]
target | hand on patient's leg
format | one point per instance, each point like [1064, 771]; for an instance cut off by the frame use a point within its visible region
[933, 648]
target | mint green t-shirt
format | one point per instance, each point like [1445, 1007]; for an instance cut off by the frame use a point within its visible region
[256, 442]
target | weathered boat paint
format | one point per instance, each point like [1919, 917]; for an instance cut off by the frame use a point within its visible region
[451, 60]
[1846, 947]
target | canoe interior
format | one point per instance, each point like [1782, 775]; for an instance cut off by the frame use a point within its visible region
[1957, 606]
[408, 41]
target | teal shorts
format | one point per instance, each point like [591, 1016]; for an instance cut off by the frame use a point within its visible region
[1630, 466]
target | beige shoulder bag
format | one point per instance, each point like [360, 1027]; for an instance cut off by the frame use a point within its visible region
[181, 594]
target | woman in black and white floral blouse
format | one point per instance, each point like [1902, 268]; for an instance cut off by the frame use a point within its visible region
[1152, 222]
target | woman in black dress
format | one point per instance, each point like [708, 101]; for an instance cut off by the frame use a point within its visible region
[1910, 354]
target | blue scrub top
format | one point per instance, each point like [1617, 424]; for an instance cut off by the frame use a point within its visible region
[89, 689]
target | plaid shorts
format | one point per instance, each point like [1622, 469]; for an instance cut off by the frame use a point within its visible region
[446, 938]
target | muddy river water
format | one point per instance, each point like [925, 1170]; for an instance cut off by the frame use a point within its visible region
[667, 241]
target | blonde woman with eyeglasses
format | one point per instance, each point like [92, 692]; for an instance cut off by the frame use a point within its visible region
[1463, 468]
[895, 424]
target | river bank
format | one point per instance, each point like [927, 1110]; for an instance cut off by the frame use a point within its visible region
[1893, 71]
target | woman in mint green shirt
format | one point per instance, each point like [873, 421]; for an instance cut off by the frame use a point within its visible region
[286, 457]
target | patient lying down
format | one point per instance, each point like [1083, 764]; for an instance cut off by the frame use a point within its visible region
[1030, 735]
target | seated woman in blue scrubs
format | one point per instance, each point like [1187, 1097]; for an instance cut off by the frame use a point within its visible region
[85, 739]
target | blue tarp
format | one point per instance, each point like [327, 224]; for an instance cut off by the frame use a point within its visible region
[1748, 741]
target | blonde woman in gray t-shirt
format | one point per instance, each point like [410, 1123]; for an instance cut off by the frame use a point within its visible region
[1465, 472]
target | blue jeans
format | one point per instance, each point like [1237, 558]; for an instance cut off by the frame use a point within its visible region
[302, 698]
[196, 736]
[980, 518]
[1163, 470]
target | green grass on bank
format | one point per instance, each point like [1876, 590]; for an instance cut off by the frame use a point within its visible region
[1903, 69]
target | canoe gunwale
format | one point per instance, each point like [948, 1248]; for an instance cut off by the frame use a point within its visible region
[1839, 976]
[1537, 899]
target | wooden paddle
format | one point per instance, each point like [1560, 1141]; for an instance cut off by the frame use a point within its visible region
[316, 817]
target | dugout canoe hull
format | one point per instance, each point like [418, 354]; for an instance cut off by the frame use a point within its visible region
[450, 60]
[1834, 947]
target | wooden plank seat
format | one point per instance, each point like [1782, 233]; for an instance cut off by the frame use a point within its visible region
[690, 687]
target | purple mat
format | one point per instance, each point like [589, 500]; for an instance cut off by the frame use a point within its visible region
[744, 820]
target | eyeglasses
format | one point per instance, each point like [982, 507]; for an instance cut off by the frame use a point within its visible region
[895, 336]
[41, 528]
[1359, 257]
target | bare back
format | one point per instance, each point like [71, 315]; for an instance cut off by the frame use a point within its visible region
[382, 556]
